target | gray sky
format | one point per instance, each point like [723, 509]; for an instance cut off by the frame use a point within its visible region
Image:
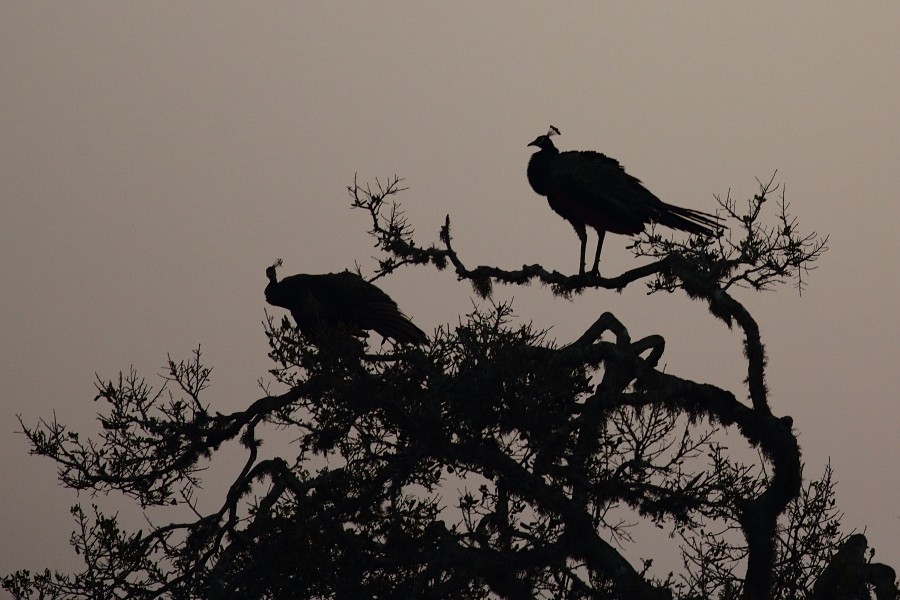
[156, 157]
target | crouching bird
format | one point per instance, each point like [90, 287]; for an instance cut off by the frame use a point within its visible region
[322, 304]
[589, 189]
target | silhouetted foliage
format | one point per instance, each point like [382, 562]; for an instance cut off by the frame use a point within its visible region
[488, 463]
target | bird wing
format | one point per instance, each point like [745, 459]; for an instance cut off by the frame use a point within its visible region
[594, 189]
[358, 303]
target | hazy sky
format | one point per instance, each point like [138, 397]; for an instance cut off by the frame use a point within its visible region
[156, 157]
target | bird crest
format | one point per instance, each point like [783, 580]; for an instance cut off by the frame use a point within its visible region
[543, 141]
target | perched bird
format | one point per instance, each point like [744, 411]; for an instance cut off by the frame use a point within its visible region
[591, 189]
[322, 303]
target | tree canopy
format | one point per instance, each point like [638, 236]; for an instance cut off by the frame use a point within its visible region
[490, 462]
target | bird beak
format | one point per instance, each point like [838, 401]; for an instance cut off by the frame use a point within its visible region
[534, 143]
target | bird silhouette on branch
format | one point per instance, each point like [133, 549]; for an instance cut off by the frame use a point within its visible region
[589, 189]
[323, 305]
[748, 252]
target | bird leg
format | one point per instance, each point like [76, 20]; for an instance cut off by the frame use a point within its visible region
[601, 233]
[582, 235]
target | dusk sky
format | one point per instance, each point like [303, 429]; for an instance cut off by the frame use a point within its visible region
[155, 158]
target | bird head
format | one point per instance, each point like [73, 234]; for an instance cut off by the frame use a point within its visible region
[270, 272]
[544, 141]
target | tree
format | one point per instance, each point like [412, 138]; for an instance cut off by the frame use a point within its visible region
[543, 445]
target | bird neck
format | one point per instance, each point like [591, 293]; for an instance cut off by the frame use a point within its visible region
[273, 291]
[271, 294]
[539, 168]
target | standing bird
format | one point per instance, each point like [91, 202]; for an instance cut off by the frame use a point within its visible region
[591, 189]
[322, 303]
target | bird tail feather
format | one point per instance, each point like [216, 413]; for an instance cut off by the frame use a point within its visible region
[688, 219]
[394, 324]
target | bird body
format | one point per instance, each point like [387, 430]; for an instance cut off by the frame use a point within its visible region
[322, 304]
[590, 189]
